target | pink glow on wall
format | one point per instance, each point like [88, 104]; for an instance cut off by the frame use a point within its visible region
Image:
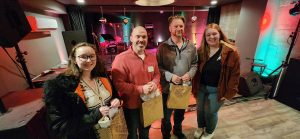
[276, 27]
[194, 30]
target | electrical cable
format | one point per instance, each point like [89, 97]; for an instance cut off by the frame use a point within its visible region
[17, 65]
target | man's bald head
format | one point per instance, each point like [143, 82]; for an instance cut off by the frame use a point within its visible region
[138, 29]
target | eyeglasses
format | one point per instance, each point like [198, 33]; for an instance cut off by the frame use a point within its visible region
[86, 57]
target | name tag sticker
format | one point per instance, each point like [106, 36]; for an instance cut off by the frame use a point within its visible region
[150, 69]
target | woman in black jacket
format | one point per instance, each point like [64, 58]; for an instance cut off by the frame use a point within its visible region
[79, 97]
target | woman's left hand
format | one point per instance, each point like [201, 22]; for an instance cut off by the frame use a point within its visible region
[115, 103]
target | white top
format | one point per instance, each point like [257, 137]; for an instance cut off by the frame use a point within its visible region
[95, 98]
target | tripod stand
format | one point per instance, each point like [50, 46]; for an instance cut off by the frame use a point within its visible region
[284, 65]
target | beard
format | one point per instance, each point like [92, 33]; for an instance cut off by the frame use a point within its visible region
[179, 33]
[140, 46]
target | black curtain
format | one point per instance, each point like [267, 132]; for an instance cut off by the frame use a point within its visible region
[78, 21]
[76, 18]
[90, 28]
[214, 15]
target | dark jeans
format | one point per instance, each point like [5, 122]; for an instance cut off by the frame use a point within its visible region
[207, 108]
[166, 126]
[134, 125]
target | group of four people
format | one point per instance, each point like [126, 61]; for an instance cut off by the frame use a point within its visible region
[82, 95]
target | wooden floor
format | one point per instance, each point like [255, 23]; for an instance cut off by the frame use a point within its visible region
[255, 119]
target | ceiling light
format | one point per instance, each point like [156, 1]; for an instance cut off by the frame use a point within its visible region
[194, 18]
[81, 1]
[102, 20]
[153, 2]
[214, 2]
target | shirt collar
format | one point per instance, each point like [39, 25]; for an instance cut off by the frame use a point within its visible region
[185, 42]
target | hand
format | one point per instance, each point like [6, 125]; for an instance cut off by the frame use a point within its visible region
[176, 79]
[115, 103]
[104, 110]
[186, 77]
[153, 86]
[146, 88]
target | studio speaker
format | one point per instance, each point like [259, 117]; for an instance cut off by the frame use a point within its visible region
[71, 38]
[250, 84]
[14, 25]
[288, 92]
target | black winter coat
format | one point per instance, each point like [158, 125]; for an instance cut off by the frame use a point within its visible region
[67, 114]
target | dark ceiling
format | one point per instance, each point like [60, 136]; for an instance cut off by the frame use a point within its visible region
[132, 2]
[58, 6]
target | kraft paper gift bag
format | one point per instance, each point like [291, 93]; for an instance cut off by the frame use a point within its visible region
[152, 110]
[179, 96]
[117, 129]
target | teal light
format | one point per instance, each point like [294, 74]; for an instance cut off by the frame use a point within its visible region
[271, 50]
[275, 55]
[126, 29]
[101, 39]
[182, 14]
[262, 52]
[270, 47]
[273, 44]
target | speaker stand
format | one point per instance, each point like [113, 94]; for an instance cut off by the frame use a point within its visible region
[286, 62]
[22, 61]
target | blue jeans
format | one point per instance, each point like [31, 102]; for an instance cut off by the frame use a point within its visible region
[134, 125]
[166, 126]
[207, 108]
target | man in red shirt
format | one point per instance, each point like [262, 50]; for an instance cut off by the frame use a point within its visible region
[135, 72]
